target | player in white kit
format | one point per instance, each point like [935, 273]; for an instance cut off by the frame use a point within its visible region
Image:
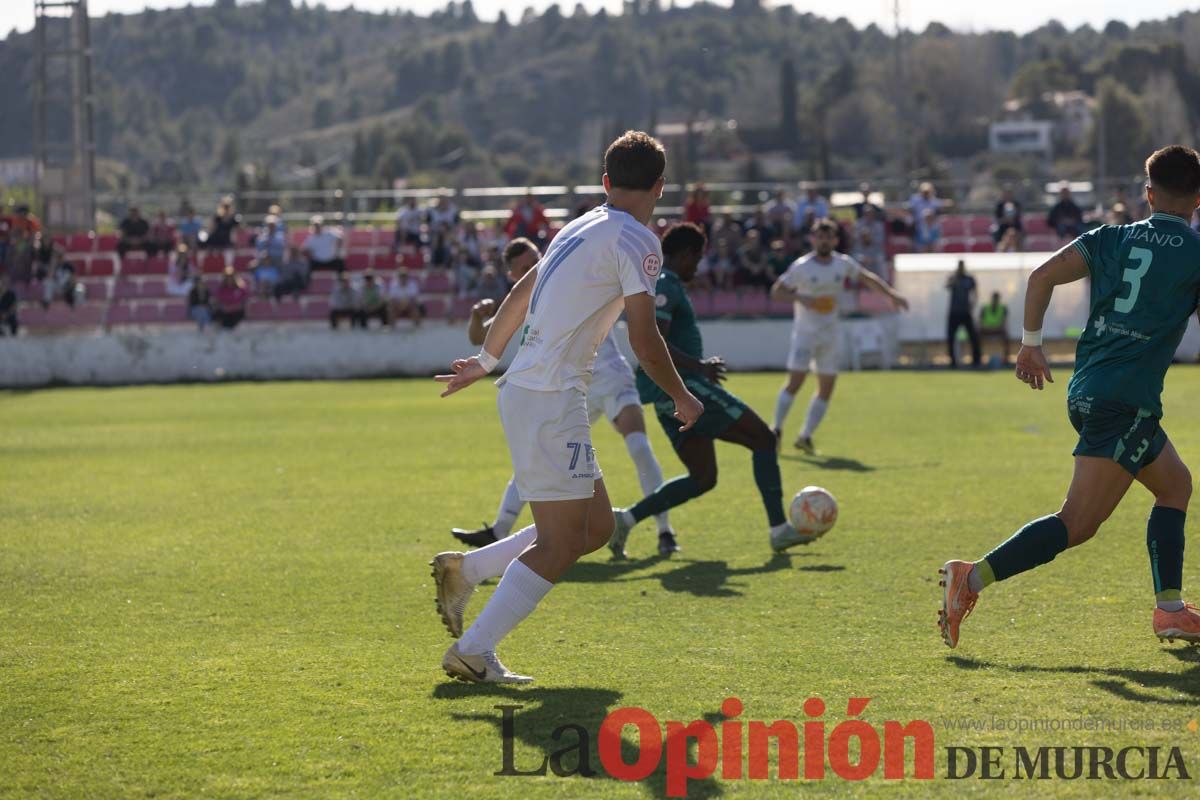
[603, 262]
[612, 393]
[814, 282]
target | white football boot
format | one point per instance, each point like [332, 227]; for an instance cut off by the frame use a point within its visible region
[482, 668]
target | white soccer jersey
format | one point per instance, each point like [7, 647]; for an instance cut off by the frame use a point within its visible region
[824, 280]
[609, 361]
[592, 265]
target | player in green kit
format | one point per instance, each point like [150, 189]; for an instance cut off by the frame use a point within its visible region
[1145, 285]
[725, 417]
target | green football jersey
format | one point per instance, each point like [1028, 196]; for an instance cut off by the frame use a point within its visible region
[673, 305]
[1145, 286]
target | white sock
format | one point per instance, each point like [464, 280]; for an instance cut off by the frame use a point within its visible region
[783, 404]
[649, 472]
[1171, 605]
[816, 412]
[510, 508]
[491, 561]
[518, 594]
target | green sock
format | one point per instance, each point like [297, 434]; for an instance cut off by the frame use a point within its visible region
[1035, 544]
[1164, 542]
[670, 494]
[770, 484]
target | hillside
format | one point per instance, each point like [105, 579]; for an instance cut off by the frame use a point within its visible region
[186, 96]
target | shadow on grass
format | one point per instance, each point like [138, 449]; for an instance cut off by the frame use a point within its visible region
[830, 463]
[542, 712]
[699, 578]
[1128, 684]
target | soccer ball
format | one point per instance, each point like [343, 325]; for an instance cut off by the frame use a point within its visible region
[813, 510]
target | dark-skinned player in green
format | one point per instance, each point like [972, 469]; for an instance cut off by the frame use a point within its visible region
[1145, 284]
[725, 417]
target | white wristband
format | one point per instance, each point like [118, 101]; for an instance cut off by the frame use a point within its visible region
[487, 360]
[1031, 338]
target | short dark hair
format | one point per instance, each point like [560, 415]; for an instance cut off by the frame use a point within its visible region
[825, 224]
[635, 161]
[1175, 171]
[517, 248]
[682, 237]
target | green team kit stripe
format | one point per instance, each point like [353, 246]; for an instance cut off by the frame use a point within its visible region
[1083, 251]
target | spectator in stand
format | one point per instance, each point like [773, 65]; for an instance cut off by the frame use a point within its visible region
[924, 208]
[5, 229]
[470, 244]
[865, 205]
[697, 209]
[408, 224]
[60, 280]
[324, 247]
[162, 234]
[180, 274]
[491, 286]
[188, 225]
[8, 307]
[726, 229]
[439, 249]
[758, 222]
[464, 274]
[528, 219]
[135, 233]
[26, 220]
[752, 263]
[343, 302]
[1065, 217]
[232, 297]
[47, 255]
[223, 227]
[411, 257]
[1011, 243]
[1118, 215]
[275, 210]
[810, 207]
[372, 303]
[200, 303]
[779, 215]
[295, 275]
[779, 260]
[868, 248]
[21, 255]
[962, 303]
[404, 298]
[444, 215]
[993, 323]
[721, 265]
[1008, 217]
[270, 249]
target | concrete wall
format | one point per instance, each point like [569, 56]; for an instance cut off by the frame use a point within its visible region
[277, 353]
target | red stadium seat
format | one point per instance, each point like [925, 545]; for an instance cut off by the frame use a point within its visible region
[156, 265]
[954, 246]
[358, 261]
[753, 302]
[120, 314]
[1042, 243]
[953, 226]
[96, 288]
[436, 283]
[241, 261]
[979, 226]
[702, 303]
[133, 264]
[1035, 225]
[106, 243]
[983, 246]
[296, 237]
[316, 307]
[80, 242]
[100, 265]
[460, 307]
[725, 304]
[321, 283]
[360, 238]
[213, 263]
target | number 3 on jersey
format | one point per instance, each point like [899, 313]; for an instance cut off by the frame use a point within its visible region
[1133, 276]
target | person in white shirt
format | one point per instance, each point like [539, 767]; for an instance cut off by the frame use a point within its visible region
[323, 247]
[600, 264]
[408, 224]
[612, 393]
[811, 206]
[814, 283]
[404, 298]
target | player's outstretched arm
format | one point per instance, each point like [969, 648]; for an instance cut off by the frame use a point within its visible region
[652, 354]
[877, 284]
[499, 332]
[1065, 266]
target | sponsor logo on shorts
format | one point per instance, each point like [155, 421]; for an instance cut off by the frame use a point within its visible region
[652, 265]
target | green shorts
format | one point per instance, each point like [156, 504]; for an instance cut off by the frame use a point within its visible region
[721, 411]
[1130, 436]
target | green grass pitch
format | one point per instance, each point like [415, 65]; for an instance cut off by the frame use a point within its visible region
[223, 591]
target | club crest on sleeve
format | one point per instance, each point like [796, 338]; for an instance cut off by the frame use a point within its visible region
[660, 301]
[652, 265]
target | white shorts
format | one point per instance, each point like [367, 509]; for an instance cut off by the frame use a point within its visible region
[815, 351]
[611, 391]
[550, 441]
